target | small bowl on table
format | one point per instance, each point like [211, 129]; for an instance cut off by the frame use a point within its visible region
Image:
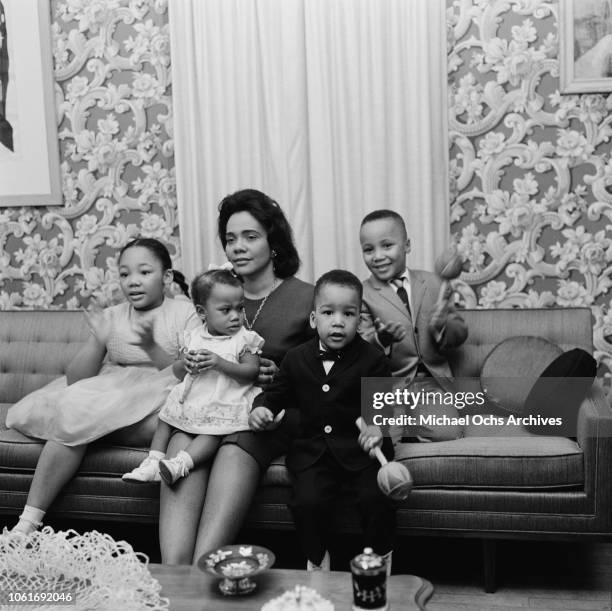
[236, 564]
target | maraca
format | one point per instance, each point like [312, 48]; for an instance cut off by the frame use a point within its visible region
[448, 266]
[393, 478]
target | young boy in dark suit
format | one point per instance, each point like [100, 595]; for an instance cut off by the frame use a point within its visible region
[322, 380]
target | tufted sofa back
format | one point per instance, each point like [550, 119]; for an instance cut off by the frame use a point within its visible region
[566, 327]
[36, 347]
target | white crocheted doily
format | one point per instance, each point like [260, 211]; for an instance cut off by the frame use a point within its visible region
[102, 573]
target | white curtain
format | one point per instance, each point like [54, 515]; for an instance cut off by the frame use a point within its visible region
[332, 107]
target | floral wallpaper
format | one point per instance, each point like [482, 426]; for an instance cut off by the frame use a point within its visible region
[530, 169]
[114, 114]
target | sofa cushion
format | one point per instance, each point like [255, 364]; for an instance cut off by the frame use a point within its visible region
[19, 454]
[36, 347]
[560, 390]
[517, 460]
[512, 368]
[566, 327]
[508, 463]
[3, 409]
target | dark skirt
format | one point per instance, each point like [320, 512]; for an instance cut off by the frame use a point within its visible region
[264, 447]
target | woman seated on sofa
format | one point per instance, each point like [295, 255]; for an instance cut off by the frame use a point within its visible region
[207, 509]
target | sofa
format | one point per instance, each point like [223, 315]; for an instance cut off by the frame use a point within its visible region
[491, 484]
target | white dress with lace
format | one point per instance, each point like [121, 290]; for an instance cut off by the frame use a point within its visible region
[216, 404]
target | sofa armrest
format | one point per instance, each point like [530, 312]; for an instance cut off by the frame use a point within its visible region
[594, 436]
[594, 417]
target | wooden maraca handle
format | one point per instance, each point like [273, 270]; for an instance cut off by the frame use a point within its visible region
[382, 459]
[187, 388]
[442, 293]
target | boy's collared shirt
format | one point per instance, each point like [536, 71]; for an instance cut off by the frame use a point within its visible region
[327, 363]
[405, 277]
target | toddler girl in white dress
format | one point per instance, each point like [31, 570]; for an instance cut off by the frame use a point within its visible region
[215, 398]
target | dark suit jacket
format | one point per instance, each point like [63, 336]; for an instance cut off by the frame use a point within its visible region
[420, 342]
[328, 404]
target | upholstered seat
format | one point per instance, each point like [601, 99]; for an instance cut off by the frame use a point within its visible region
[495, 463]
[494, 482]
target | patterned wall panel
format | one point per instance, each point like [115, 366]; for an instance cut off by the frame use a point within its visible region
[530, 168]
[114, 114]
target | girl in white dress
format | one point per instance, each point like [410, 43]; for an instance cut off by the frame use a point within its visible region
[215, 398]
[120, 377]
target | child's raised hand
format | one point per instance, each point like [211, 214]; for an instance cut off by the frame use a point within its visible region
[442, 308]
[390, 332]
[262, 419]
[99, 323]
[190, 361]
[142, 331]
[370, 437]
[209, 360]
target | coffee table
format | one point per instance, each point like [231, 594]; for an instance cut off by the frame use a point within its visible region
[190, 589]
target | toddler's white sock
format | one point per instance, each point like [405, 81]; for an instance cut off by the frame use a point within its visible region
[29, 520]
[156, 454]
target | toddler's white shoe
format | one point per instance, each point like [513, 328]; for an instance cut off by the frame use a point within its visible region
[25, 527]
[147, 471]
[173, 469]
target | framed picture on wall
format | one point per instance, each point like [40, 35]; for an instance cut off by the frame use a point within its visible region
[585, 53]
[29, 155]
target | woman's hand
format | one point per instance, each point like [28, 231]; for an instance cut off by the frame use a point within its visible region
[99, 323]
[262, 419]
[267, 371]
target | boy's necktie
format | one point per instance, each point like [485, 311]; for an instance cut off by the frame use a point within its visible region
[402, 294]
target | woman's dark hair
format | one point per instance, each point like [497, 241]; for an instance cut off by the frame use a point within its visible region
[270, 216]
[202, 284]
[179, 278]
[155, 247]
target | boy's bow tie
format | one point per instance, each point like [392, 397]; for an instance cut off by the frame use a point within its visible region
[329, 355]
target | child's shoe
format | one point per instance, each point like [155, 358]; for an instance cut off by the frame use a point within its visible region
[173, 469]
[29, 520]
[147, 471]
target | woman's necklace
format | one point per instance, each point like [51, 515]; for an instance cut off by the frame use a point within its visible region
[250, 325]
